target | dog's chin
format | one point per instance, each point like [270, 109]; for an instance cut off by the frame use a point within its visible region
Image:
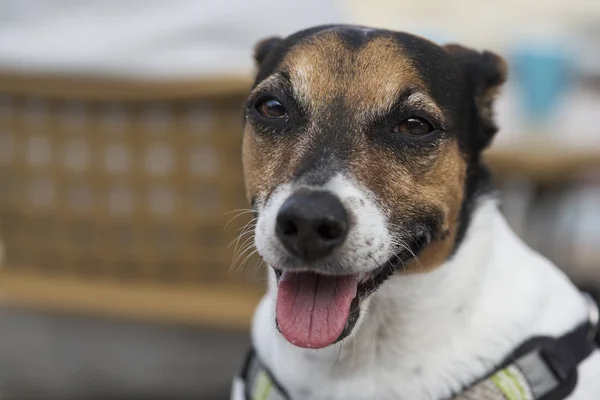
[366, 284]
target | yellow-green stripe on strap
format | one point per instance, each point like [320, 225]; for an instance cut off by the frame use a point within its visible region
[262, 387]
[510, 385]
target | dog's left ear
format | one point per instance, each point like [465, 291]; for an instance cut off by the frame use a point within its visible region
[264, 47]
[486, 73]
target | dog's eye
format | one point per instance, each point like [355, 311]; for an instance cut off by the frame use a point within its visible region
[414, 127]
[268, 107]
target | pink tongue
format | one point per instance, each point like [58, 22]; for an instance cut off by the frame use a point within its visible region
[312, 309]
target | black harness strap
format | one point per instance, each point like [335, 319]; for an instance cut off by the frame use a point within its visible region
[567, 352]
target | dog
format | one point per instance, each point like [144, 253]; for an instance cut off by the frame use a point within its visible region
[392, 273]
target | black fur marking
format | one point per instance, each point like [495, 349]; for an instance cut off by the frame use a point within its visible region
[352, 37]
[330, 148]
[264, 47]
[478, 183]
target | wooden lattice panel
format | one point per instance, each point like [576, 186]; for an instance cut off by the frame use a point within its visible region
[131, 190]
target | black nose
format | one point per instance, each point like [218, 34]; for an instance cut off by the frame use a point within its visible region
[311, 223]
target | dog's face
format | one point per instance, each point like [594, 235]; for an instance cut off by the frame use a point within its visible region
[361, 152]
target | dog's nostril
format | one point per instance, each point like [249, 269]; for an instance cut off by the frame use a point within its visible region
[288, 227]
[330, 230]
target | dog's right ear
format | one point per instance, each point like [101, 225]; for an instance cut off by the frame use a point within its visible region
[263, 48]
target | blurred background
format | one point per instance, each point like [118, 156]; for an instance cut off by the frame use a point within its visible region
[120, 132]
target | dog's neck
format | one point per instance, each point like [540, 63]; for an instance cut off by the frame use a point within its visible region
[427, 335]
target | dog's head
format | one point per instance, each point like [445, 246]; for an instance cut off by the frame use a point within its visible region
[361, 152]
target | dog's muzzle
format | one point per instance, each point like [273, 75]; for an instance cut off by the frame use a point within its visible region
[330, 248]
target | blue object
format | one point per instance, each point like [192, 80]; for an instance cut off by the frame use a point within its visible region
[542, 72]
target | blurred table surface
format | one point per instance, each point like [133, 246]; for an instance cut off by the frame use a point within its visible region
[223, 306]
[543, 160]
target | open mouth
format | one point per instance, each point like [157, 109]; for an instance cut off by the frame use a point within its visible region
[315, 310]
